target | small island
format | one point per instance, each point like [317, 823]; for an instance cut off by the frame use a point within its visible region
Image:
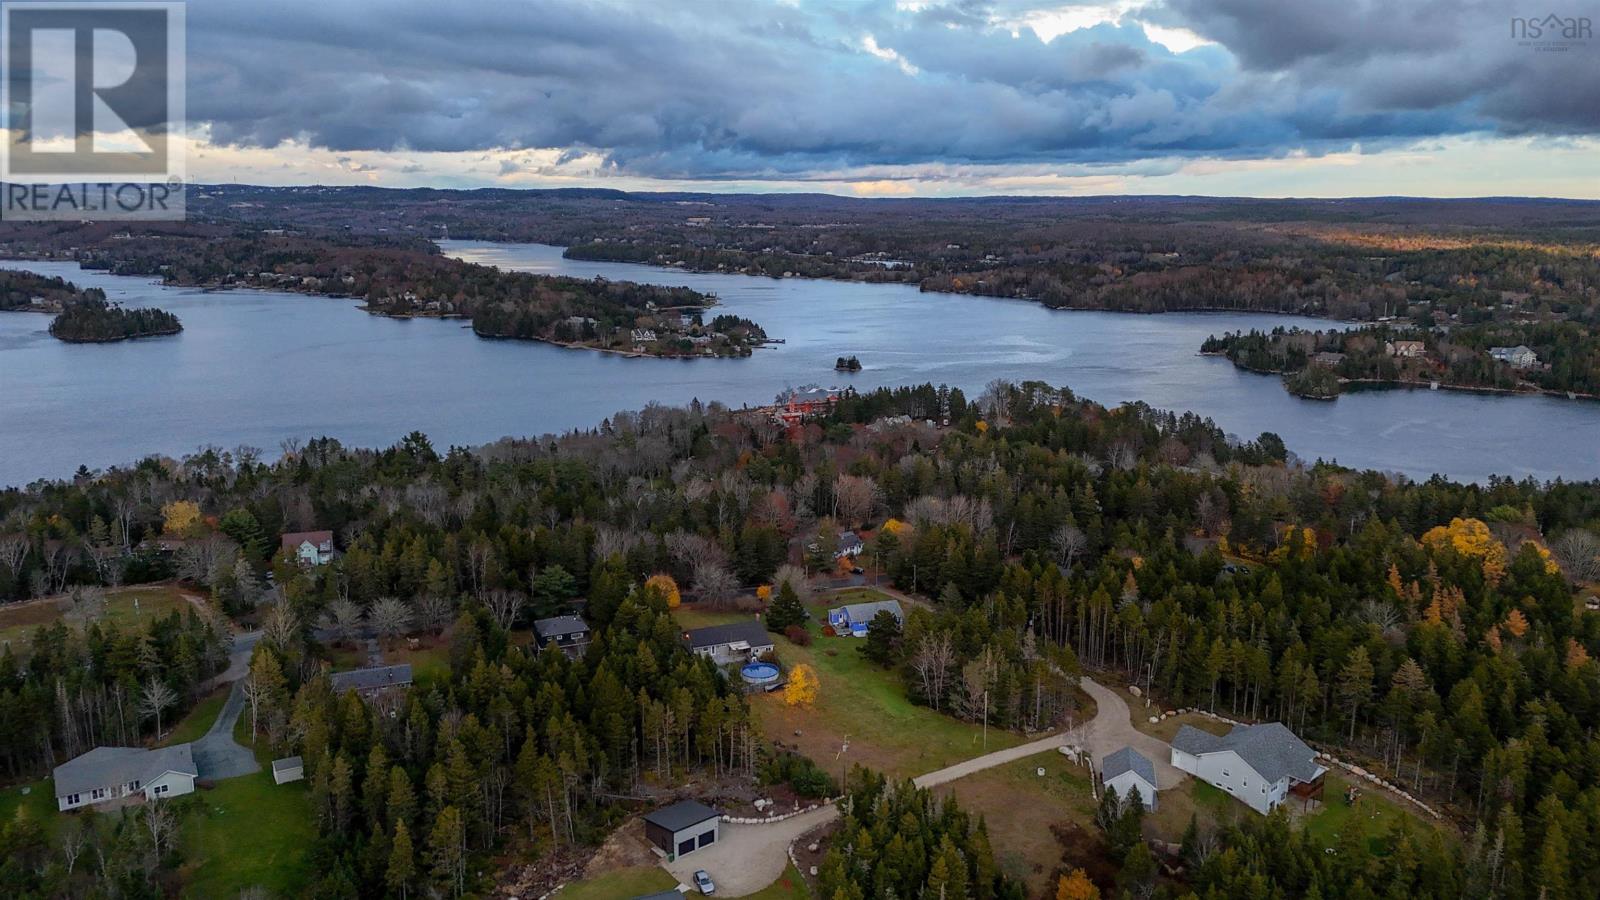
[847, 364]
[91, 320]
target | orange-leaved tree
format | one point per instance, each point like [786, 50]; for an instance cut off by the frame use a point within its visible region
[663, 583]
[1076, 886]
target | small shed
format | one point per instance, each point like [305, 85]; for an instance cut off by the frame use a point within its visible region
[290, 768]
[1128, 770]
[682, 828]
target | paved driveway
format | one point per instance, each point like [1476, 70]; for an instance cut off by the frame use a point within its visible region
[748, 858]
[217, 755]
[1111, 729]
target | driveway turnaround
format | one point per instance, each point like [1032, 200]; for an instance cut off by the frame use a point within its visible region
[1111, 729]
[217, 755]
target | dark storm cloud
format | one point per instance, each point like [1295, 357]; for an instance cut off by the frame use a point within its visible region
[758, 89]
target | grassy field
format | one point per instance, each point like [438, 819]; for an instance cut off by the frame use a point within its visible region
[1020, 807]
[635, 881]
[1373, 814]
[38, 804]
[861, 703]
[1167, 728]
[18, 620]
[198, 720]
[248, 831]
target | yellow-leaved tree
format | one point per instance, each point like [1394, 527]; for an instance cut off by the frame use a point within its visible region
[180, 517]
[1076, 886]
[1470, 537]
[895, 526]
[663, 583]
[802, 688]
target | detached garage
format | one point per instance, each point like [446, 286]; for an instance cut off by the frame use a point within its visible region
[682, 828]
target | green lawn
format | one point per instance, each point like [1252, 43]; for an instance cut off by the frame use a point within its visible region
[38, 804]
[635, 881]
[248, 831]
[620, 884]
[861, 703]
[1019, 807]
[198, 720]
[1374, 814]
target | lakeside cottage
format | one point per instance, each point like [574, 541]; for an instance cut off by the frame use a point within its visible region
[1258, 764]
[311, 548]
[854, 619]
[1405, 349]
[1518, 357]
[736, 642]
[105, 774]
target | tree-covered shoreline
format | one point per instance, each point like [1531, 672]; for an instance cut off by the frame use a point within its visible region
[91, 320]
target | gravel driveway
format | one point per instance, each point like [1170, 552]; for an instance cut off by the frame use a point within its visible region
[1111, 729]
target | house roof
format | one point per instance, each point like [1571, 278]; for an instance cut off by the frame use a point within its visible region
[109, 766]
[681, 815]
[288, 763]
[750, 631]
[559, 625]
[849, 539]
[296, 538]
[863, 612]
[1271, 749]
[369, 679]
[1128, 760]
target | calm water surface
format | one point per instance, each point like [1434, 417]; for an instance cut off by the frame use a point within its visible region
[256, 367]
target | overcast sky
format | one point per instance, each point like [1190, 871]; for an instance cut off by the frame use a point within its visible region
[1237, 97]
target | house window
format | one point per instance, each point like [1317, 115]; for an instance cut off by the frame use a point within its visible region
[1224, 773]
[73, 799]
[162, 788]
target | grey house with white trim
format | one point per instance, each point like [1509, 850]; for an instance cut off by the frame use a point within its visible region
[1127, 770]
[111, 773]
[682, 828]
[1259, 764]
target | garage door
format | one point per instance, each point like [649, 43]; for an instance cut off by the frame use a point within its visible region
[708, 838]
[686, 846]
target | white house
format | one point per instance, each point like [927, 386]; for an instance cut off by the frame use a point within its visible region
[1127, 771]
[312, 548]
[1259, 764]
[290, 768]
[110, 773]
[1518, 357]
[855, 619]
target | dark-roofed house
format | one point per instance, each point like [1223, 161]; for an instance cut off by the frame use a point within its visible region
[312, 548]
[850, 544]
[681, 828]
[290, 768]
[109, 773]
[569, 633]
[1259, 764]
[373, 680]
[1129, 770]
[854, 618]
[736, 642]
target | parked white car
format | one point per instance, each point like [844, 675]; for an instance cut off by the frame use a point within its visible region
[702, 880]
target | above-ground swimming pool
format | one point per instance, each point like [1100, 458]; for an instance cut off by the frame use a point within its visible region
[759, 673]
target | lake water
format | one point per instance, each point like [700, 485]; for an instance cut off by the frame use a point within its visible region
[256, 367]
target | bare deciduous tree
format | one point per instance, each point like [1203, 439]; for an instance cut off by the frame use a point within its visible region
[161, 822]
[13, 550]
[796, 578]
[855, 497]
[1578, 552]
[155, 698]
[714, 583]
[390, 616]
[932, 661]
[343, 618]
[505, 606]
[1068, 542]
[281, 627]
[434, 612]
